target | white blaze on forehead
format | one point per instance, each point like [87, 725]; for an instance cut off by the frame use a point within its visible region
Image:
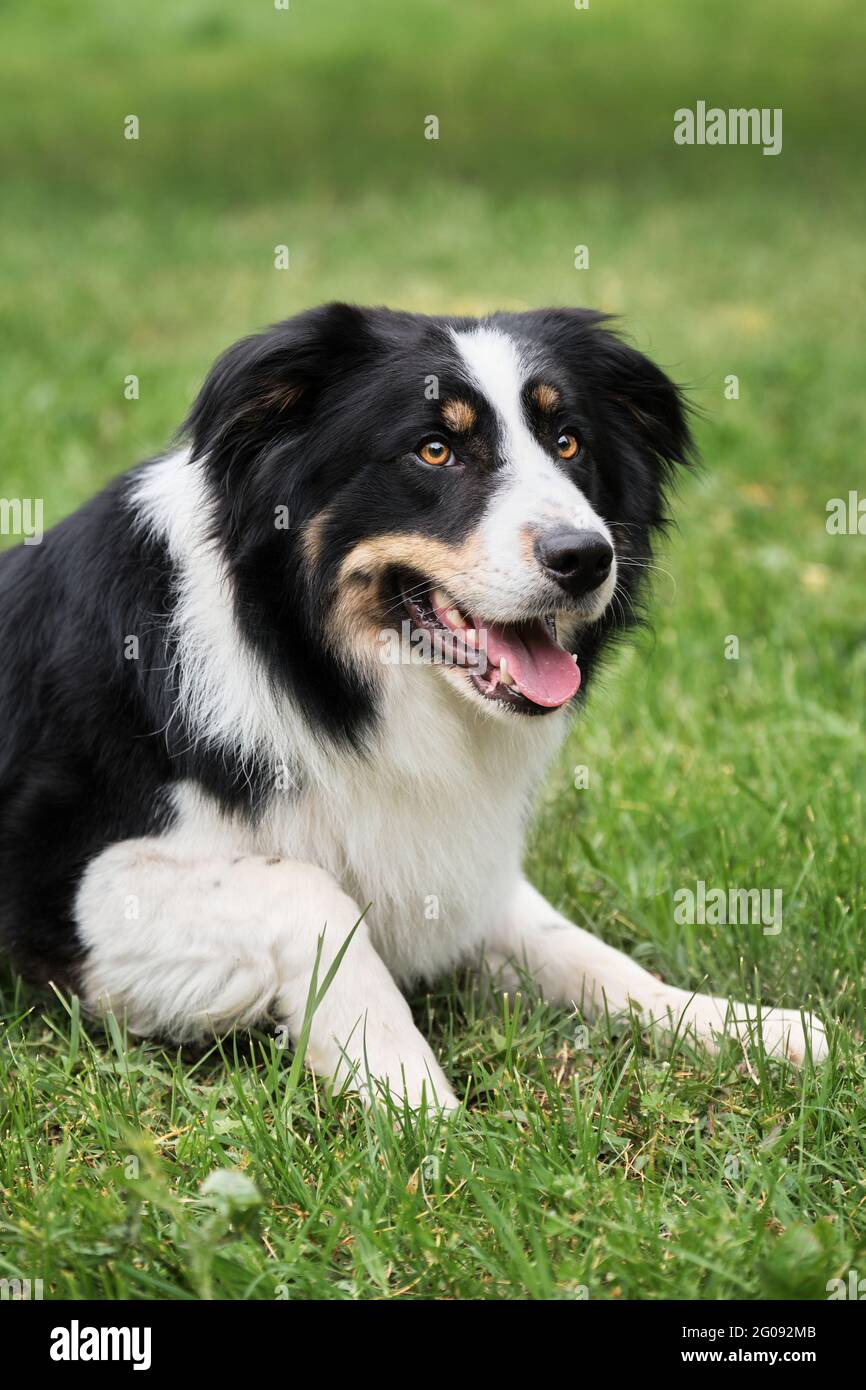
[497, 368]
[533, 491]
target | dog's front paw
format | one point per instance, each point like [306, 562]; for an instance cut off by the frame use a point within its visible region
[789, 1033]
[417, 1091]
[410, 1075]
[785, 1033]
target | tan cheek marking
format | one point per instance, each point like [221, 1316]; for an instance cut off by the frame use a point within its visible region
[351, 627]
[527, 538]
[458, 416]
[356, 620]
[546, 397]
[311, 538]
[444, 564]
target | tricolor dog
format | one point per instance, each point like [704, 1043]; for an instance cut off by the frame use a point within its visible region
[312, 663]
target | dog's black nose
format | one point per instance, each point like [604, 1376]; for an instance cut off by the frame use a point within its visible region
[578, 560]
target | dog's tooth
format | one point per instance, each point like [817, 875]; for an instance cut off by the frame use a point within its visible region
[455, 617]
[439, 599]
[504, 674]
[574, 657]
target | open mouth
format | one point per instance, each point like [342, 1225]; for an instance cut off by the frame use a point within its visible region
[521, 665]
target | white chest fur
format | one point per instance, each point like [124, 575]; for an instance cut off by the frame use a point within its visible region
[427, 828]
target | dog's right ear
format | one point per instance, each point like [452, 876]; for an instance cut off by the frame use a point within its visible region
[265, 387]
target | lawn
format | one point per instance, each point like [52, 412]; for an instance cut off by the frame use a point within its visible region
[589, 1161]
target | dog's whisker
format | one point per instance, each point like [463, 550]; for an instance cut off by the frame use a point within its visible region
[650, 565]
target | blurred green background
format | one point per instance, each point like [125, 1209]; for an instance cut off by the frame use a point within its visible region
[261, 127]
[306, 128]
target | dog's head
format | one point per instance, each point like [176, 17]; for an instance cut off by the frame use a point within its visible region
[486, 489]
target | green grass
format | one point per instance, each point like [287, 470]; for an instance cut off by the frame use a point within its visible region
[606, 1163]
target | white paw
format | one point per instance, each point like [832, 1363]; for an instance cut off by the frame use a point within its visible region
[409, 1074]
[785, 1032]
[417, 1081]
[788, 1033]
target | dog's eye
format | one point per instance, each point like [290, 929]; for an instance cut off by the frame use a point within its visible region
[435, 451]
[568, 446]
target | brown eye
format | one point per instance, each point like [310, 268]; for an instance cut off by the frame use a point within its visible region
[435, 451]
[568, 445]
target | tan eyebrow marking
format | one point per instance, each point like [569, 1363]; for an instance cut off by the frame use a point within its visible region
[546, 397]
[458, 416]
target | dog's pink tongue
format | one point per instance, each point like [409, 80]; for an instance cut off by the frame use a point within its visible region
[542, 670]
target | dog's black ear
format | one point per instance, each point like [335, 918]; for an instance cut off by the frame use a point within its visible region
[266, 386]
[641, 404]
[642, 411]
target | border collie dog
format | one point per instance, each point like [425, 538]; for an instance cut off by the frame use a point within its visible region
[309, 668]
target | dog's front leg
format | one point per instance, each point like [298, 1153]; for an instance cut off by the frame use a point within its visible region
[184, 947]
[572, 967]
